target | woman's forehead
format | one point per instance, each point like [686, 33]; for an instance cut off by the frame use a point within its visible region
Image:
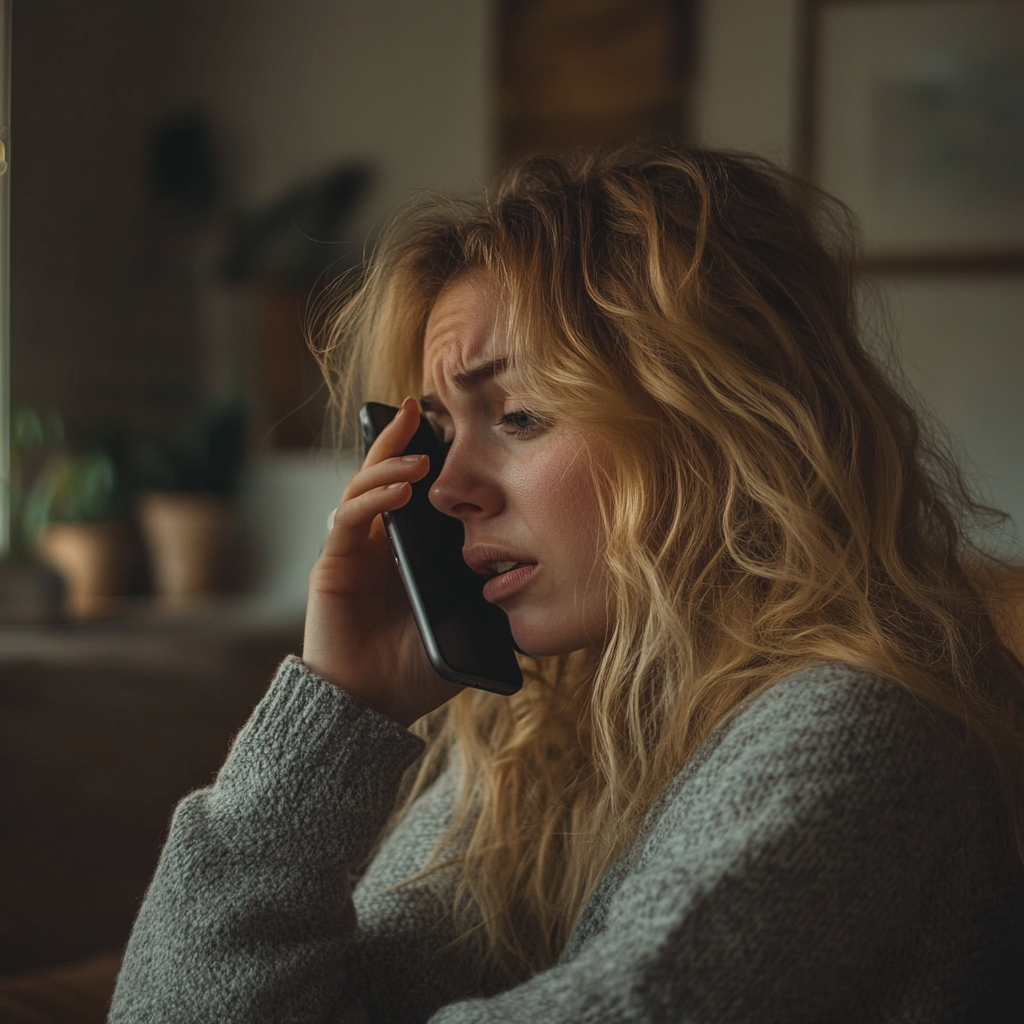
[464, 331]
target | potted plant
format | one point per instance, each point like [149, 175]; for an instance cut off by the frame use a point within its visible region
[72, 513]
[30, 590]
[185, 510]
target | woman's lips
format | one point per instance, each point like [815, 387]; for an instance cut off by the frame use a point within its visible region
[498, 588]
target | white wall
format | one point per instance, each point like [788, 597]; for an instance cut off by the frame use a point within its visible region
[284, 503]
[745, 96]
[961, 338]
[962, 341]
[296, 87]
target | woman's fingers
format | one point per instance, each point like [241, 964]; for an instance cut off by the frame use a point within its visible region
[354, 517]
[381, 485]
[409, 468]
[393, 439]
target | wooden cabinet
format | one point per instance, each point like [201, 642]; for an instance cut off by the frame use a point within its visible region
[103, 728]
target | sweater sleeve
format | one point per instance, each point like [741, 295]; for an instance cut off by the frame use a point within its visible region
[250, 917]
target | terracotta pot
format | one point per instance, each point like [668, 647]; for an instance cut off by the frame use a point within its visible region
[93, 559]
[188, 537]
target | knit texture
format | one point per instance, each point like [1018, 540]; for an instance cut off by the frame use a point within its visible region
[833, 853]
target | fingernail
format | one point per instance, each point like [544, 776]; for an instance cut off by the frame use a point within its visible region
[411, 458]
[394, 487]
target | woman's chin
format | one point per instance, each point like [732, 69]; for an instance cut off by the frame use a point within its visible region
[545, 639]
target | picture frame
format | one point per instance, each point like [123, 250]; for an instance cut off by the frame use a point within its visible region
[912, 113]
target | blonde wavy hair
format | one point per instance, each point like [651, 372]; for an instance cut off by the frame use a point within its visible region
[771, 499]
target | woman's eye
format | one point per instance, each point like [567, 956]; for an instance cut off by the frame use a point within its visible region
[520, 422]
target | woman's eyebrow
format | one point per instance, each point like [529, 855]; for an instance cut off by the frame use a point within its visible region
[466, 379]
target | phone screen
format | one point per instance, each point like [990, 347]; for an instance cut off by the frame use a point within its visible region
[468, 640]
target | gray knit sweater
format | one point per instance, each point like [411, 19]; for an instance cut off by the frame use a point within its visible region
[833, 854]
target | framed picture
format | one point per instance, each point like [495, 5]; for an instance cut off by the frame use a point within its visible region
[913, 115]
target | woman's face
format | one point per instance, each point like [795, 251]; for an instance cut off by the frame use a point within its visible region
[519, 484]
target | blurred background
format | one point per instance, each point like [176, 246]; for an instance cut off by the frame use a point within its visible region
[187, 179]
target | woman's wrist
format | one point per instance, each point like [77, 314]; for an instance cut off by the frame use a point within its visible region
[375, 698]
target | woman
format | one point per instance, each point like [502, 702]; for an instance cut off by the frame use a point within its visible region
[767, 764]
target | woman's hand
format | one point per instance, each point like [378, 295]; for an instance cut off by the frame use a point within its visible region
[360, 633]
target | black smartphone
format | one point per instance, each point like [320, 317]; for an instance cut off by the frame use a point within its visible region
[468, 640]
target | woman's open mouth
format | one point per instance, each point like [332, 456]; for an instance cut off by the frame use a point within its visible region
[508, 579]
[506, 574]
[502, 567]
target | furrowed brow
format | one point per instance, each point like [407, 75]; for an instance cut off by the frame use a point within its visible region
[465, 379]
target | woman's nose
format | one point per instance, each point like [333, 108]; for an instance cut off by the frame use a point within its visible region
[466, 487]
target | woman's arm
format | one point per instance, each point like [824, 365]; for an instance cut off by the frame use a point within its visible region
[249, 916]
